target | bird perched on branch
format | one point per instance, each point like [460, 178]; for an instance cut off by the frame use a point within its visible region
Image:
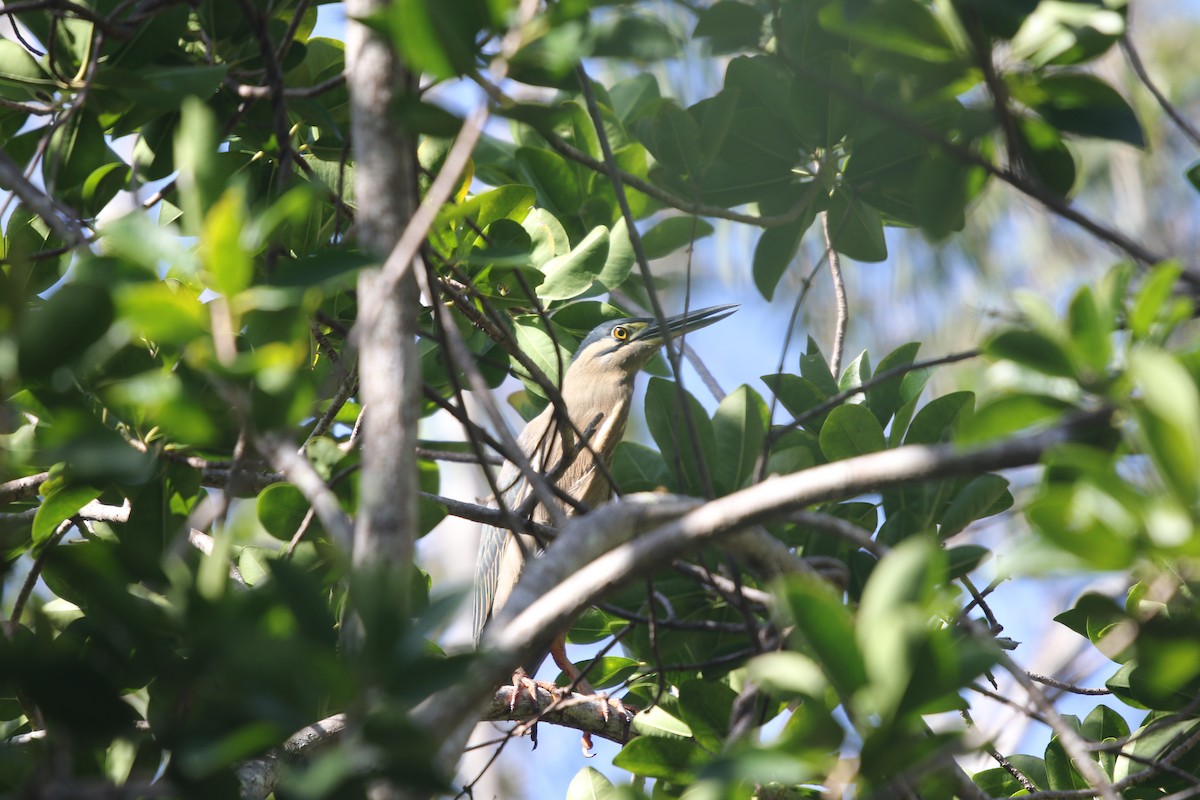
[573, 455]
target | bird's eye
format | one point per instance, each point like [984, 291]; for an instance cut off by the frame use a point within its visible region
[620, 333]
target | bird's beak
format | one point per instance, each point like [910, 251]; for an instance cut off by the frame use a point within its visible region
[684, 323]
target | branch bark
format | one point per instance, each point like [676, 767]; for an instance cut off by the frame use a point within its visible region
[389, 367]
[569, 576]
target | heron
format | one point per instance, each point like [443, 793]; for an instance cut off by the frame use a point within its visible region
[574, 455]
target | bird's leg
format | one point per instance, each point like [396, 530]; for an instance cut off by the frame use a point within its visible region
[575, 679]
[577, 683]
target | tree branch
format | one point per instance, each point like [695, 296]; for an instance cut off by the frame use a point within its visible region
[568, 576]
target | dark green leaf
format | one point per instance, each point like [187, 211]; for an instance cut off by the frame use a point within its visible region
[673, 233]
[281, 508]
[637, 468]
[739, 428]
[61, 502]
[676, 140]
[1086, 105]
[962, 560]
[603, 672]
[851, 430]
[774, 253]
[60, 330]
[730, 26]
[572, 274]
[675, 760]
[556, 181]
[798, 396]
[643, 38]
[1032, 349]
[934, 421]
[706, 707]
[982, 497]
[884, 398]
[1007, 414]
[855, 228]
[824, 625]
[666, 418]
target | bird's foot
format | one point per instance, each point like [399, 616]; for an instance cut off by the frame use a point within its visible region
[606, 706]
[525, 686]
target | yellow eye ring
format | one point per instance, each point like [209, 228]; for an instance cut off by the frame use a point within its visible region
[620, 333]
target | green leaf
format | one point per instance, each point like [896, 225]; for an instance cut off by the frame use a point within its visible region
[892, 629]
[1007, 414]
[644, 38]
[788, 674]
[62, 328]
[730, 26]
[855, 228]
[228, 266]
[1061, 774]
[637, 468]
[657, 722]
[504, 202]
[163, 313]
[884, 398]
[634, 95]
[792, 452]
[253, 564]
[774, 253]
[673, 233]
[594, 625]
[739, 429]
[815, 368]
[1067, 32]
[982, 497]
[798, 396]
[851, 430]
[934, 421]
[1031, 349]
[1085, 105]
[199, 181]
[715, 116]
[706, 707]
[962, 560]
[676, 140]
[856, 373]
[674, 760]
[280, 509]
[1169, 417]
[61, 502]
[604, 672]
[433, 36]
[1152, 297]
[618, 264]
[1047, 157]
[556, 181]
[1087, 522]
[824, 625]
[1103, 723]
[551, 354]
[590, 784]
[20, 74]
[671, 432]
[572, 274]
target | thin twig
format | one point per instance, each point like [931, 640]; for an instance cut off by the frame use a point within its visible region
[839, 297]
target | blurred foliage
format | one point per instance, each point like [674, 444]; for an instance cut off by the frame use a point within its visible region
[140, 367]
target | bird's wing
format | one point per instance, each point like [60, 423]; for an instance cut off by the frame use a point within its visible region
[501, 557]
[487, 576]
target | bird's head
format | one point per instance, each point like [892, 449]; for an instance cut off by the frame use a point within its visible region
[620, 347]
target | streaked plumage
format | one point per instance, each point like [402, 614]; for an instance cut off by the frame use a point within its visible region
[597, 389]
